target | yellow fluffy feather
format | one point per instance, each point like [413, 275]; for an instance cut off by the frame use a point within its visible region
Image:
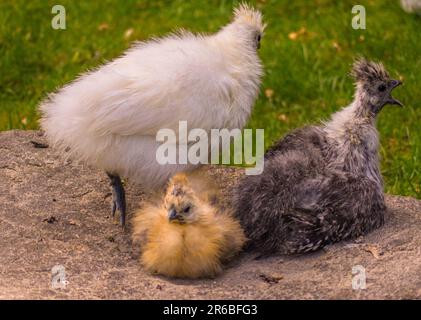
[184, 235]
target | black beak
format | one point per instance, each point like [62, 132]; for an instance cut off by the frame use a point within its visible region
[172, 215]
[395, 83]
[393, 101]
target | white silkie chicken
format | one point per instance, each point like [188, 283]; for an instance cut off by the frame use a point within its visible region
[109, 117]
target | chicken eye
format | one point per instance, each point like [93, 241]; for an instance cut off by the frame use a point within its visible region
[381, 88]
[258, 37]
[187, 209]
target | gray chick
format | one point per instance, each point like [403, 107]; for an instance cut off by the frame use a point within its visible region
[321, 184]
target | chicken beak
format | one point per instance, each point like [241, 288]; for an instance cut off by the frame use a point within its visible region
[172, 215]
[391, 100]
[394, 101]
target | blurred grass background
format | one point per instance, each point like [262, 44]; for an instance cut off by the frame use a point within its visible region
[307, 51]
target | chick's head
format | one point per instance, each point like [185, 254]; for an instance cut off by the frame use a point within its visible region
[374, 85]
[180, 201]
[249, 23]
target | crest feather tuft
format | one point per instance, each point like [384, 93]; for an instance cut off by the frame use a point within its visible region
[364, 70]
[244, 13]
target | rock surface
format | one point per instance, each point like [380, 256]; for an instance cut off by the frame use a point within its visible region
[56, 212]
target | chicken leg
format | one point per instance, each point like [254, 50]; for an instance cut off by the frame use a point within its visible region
[119, 198]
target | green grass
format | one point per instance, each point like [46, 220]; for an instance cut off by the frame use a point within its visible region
[308, 75]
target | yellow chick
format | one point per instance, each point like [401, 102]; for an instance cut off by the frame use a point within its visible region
[184, 235]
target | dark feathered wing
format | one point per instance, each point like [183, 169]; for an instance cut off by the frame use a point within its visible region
[298, 204]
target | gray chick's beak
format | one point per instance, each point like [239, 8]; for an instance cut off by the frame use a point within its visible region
[395, 83]
[391, 100]
[396, 102]
[172, 215]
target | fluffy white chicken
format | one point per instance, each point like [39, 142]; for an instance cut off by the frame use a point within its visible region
[109, 117]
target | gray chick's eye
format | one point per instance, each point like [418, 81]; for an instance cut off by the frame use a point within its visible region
[187, 209]
[381, 88]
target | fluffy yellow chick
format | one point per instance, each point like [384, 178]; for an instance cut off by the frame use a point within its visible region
[184, 235]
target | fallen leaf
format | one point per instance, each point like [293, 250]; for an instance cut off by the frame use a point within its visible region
[269, 93]
[336, 46]
[128, 33]
[293, 35]
[24, 121]
[296, 34]
[283, 117]
[103, 26]
[374, 250]
[74, 223]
